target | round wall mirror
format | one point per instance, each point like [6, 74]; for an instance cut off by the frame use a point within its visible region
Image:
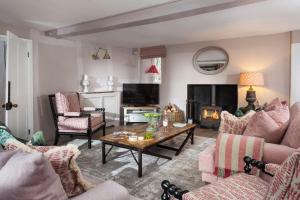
[210, 60]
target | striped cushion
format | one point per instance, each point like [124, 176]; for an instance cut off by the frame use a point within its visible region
[66, 102]
[231, 150]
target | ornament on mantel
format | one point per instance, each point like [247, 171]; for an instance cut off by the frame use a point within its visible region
[85, 83]
[110, 83]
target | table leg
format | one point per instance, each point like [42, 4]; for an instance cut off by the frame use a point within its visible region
[103, 153]
[192, 137]
[140, 163]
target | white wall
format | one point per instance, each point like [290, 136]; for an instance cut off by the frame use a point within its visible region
[295, 67]
[60, 64]
[123, 66]
[269, 54]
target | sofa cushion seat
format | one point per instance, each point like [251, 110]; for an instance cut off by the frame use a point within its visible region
[80, 123]
[236, 187]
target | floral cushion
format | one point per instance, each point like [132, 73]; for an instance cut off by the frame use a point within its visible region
[62, 160]
[236, 187]
[232, 124]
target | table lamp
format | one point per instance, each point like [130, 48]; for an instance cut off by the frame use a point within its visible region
[251, 79]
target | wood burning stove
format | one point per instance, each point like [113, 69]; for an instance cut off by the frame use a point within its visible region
[206, 102]
[210, 116]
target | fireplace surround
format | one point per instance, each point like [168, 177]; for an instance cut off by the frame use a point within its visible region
[206, 101]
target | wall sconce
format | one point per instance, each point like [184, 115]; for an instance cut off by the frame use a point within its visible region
[96, 55]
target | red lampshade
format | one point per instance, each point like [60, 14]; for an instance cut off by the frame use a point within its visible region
[152, 70]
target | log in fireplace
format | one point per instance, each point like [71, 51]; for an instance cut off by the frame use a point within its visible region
[206, 102]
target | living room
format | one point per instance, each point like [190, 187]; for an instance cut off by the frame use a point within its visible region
[104, 50]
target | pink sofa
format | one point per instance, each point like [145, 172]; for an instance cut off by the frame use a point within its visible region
[273, 153]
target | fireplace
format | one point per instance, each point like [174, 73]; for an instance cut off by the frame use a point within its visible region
[206, 102]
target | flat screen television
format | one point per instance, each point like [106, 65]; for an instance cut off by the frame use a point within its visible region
[140, 94]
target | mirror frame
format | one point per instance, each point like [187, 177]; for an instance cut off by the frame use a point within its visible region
[200, 51]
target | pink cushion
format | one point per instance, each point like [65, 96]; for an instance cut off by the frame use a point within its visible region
[276, 153]
[29, 177]
[270, 125]
[233, 125]
[63, 160]
[273, 105]
[80, 123]
[292, 136]
[236, 187]
[67, 102]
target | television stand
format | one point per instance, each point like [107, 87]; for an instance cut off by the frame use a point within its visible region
[136, 113]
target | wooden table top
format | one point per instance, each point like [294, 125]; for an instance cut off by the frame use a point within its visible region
[163, 134]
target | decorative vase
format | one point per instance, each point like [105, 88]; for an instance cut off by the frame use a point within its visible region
[153, 121]
[85, 83]
[110, 83]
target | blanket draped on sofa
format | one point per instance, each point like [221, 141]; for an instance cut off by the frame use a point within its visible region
[231, 150]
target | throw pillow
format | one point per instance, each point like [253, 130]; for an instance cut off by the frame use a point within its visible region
[63, 160]
[4, 136]
[275, 103]
[292, 135]
[232, 124]
[37, 139]
[270, 125]
[29, 177]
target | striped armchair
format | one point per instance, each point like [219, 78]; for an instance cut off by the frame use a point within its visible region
[70, 120]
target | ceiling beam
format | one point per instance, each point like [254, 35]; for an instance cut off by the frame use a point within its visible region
[165, 12]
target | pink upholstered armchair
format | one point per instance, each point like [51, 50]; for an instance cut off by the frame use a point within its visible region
[70, 120]
[284, 183]
[272, 153]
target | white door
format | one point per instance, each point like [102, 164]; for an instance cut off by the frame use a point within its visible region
[19, 97]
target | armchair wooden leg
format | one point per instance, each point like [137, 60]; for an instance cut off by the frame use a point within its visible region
[56, 138]
[104, 129]
[89, 141]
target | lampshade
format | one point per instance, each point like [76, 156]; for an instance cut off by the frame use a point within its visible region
[251, 78]
[152, 70]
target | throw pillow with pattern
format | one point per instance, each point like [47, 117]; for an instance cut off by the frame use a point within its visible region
[234, 125]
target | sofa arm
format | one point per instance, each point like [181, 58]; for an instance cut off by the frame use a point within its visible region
[108, 190]
[276, 153]
[207, 159]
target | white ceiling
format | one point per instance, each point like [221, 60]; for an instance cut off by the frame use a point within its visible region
[268, 17]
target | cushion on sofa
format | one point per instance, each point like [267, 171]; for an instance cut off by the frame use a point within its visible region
[63, 160]
[275, 103]
[292, 136]
[233, 125]
[29, 177]
[270, 125]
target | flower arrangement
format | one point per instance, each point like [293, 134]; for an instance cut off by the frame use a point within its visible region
[153, 119]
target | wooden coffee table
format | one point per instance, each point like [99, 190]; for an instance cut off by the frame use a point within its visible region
[143, 147]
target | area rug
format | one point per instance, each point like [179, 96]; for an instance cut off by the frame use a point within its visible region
[182, 170]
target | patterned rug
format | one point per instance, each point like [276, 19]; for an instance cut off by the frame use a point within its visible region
[182, 170]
